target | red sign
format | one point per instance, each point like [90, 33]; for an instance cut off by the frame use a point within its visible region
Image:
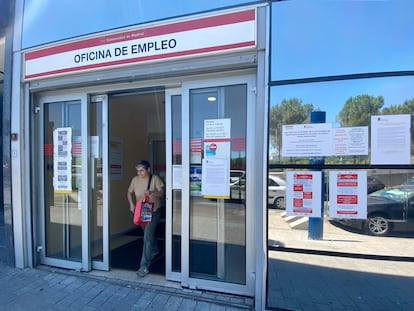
[213, 147]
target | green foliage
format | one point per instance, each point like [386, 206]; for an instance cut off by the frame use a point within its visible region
[289, 111]
[357, 110]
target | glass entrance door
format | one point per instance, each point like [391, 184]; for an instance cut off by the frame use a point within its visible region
[72, 209]
[210, 235]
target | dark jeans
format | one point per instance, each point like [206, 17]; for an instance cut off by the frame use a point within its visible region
[150, 247]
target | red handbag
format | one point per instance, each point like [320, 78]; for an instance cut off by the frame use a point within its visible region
[144, 209]
[143, 212]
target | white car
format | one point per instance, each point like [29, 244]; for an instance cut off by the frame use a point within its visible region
[237, 177]
[276, 192]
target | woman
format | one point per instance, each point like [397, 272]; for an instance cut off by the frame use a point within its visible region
[155, 191]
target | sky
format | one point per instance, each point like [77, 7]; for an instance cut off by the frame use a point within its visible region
[71, 18]
[320, 38]
[310, 38]
[331, 96]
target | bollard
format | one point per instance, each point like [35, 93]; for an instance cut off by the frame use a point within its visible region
[315, 224]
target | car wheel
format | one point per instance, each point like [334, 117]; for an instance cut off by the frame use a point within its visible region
[377, 225]
[279, 203]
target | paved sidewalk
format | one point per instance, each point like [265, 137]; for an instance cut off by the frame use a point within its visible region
[343, 271]
[56, 289]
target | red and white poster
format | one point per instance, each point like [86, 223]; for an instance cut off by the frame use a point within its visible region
[303, 193]
[348, 194]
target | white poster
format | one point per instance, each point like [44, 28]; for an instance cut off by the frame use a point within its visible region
[95, 147]
[217, 134]
[215, 178]
[62, 160]
[177, 182]
[348, 194]
[391, 139]
[350, 141]
[307, 140]
[303, 193]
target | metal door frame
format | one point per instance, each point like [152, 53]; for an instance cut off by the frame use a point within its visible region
[184, 275]
[86, 263]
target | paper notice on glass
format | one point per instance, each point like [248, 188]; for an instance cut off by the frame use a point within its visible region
[350, 141]
[303, 193]
[391, 139]
[177, 176]
[348, 194]
[217, 128]
[307, 140]
[62, 160]
[215, 178]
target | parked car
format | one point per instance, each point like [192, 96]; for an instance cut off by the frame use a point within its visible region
[409, 181]
[237, 184]
[276, 191]
[237, 177]
[374, 184]
[390, 209]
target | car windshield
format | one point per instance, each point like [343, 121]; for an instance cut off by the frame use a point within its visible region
[396, 194]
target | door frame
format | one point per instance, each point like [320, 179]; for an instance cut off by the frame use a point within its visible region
[86, 263]
[104, 264]
[184, 275]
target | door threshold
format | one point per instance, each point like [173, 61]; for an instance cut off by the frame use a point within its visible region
[131, 276]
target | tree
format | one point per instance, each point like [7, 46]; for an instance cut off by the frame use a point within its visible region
[406, 108]
[289, 111]
[358, 110]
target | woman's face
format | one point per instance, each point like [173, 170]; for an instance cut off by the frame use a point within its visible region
[142, 172]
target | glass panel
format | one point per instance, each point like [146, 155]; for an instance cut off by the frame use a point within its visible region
[176, 193]
[113, 14]
[95, 156]
[382, 227]
[327, 41]
[218, 226]
[62, 175]
[349, 105]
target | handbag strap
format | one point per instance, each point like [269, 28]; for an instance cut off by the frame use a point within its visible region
[146, 197]
[149, 182]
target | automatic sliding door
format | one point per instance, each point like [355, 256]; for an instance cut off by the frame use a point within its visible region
[217, 220]
[210, 233]
[73, 157]
[62, 176]
[217, 249]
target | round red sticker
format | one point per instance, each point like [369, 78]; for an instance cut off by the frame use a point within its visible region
[213, 147]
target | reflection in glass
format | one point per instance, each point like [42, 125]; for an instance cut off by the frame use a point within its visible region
[218, 226]
[63, 205]
[95, 157]
[318, 38]
[348, 104]
[176, 193]
[41, 16]
[390, 210]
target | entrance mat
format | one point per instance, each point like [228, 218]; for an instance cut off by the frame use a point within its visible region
[128, 257]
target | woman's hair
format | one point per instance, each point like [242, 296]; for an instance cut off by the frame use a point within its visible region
[144, 164]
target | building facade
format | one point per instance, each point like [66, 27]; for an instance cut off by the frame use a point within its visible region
[249, 111]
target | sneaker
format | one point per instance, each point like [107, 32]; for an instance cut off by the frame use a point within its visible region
[142, 272]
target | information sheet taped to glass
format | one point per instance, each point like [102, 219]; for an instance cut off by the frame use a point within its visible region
[303, 193]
